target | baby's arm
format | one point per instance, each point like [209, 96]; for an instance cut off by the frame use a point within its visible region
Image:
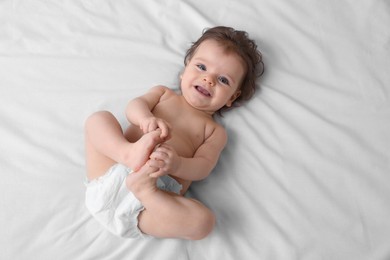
[195, 168]
[138, 111]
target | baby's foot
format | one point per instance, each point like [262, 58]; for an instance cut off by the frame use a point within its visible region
[141, 184]
[138, 153]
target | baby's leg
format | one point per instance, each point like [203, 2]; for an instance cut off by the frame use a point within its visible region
[168, 215]
[174, 216]
[106, 145]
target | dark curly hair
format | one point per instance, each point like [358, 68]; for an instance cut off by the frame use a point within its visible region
[237, 42]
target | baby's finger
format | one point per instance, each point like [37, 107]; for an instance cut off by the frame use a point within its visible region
[157, 174]
[145, 128]
[164, 129]
[159, 154]
[142, 128]
[156, 163]
[152, 126]
[165, 147]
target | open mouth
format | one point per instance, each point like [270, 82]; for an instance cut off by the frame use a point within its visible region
[203, 91]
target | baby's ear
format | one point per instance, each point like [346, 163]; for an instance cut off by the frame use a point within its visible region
[233, 97]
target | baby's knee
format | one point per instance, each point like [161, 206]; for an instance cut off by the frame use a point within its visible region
[96, 116]
[204, 224]
[95, 119]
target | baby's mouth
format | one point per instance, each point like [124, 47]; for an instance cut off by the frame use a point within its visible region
[203, 91]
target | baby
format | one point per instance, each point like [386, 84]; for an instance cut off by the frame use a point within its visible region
[137, 179]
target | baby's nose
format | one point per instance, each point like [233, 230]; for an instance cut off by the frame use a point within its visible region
[209, 80]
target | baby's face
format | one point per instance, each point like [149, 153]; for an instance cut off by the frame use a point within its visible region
[212, 77]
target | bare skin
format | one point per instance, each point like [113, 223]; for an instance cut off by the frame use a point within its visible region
[191, 219]
[157, 218]
[134, 155]
[171, 134]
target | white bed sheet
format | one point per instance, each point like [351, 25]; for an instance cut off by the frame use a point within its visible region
[305, 174]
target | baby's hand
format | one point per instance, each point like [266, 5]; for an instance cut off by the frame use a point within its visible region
[165, 159]
[150, 124]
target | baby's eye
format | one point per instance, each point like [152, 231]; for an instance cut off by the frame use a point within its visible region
[223, 80]
[201, 67]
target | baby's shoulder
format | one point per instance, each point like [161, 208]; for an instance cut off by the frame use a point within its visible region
[215, 129]
[165, 92]
[163, 89]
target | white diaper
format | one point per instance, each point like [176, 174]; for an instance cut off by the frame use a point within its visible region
[114, 206]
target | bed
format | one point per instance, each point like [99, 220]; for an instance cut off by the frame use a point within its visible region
[306, 171]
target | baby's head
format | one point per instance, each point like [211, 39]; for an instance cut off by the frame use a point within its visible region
[236, 42]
